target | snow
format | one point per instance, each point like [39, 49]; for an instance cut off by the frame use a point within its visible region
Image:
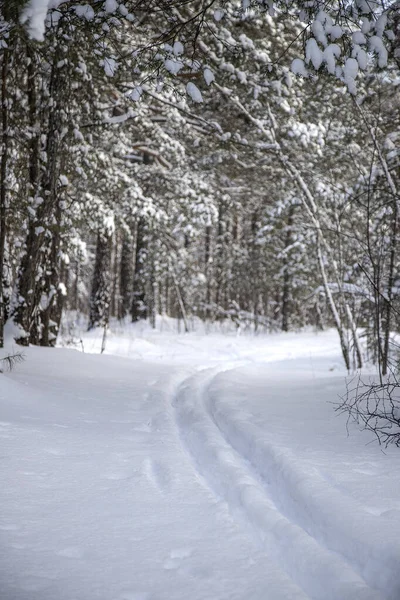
[362, 57]
[336, 32]
[358, 38]
[178, 48]
[350, 71]
[331, 53]
[319, 32]
[110, 6]
[380, 25]
[85, 11]
[35, 13]
[136, 93]
[313, 53]
[200, 465]
[61, 287]
[208, 76]
[63, 179]
[366, 25]
[298, 67]
[194, 92]
[110, 66]
[376, 45]
[173, 66]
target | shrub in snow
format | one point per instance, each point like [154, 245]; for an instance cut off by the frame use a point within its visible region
[375, 406]
[7, 363]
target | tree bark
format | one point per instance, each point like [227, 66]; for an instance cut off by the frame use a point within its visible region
[139, 309]
[125, 276]
[38, 274]
[389, 292]
[286, 288]
[3, 180]
[100, 294]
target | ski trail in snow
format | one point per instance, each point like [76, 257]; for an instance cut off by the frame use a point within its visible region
[336, 520]
[321, 573]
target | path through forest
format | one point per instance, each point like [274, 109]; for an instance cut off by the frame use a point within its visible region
[220, 474]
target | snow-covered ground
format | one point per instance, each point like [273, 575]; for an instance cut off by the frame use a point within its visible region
[193, 466]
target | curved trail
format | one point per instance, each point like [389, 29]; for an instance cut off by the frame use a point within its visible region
[336, 521]
[228, 454]
[246, 488]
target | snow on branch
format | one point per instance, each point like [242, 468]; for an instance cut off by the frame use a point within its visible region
[34, 14]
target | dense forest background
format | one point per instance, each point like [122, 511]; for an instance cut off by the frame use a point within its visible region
[202, 159]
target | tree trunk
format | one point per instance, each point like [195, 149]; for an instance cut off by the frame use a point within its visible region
[100, 294]
[114, 300]
[3, 181]
[286, 289]
[207, 263]
[220, 255]
[139, 308]
[33, 280]
[338, 323]
[389, 292]
[125, 276]
[51, 314]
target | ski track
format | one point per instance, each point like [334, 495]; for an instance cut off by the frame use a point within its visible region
[321, 538]
[334, 519]
[322, 542]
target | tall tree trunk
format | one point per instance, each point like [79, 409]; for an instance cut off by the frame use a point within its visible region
[51, 313]
[33, 281]
[114, 300]
[125, 276]
[100, 293]
[220, 255]
[389, 292]
[139, 308]
[27, 299]
[253, 301]
[75, 301]
[207, 263]
[338, 322]
[3, 180]
[286, 289]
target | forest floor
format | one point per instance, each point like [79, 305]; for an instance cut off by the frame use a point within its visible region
[192, 466]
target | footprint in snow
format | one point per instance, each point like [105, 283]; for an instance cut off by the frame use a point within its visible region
[149, 395]
[181, 553]
[160, 421]
[70, 552]
[158, 474]
[176, 557]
